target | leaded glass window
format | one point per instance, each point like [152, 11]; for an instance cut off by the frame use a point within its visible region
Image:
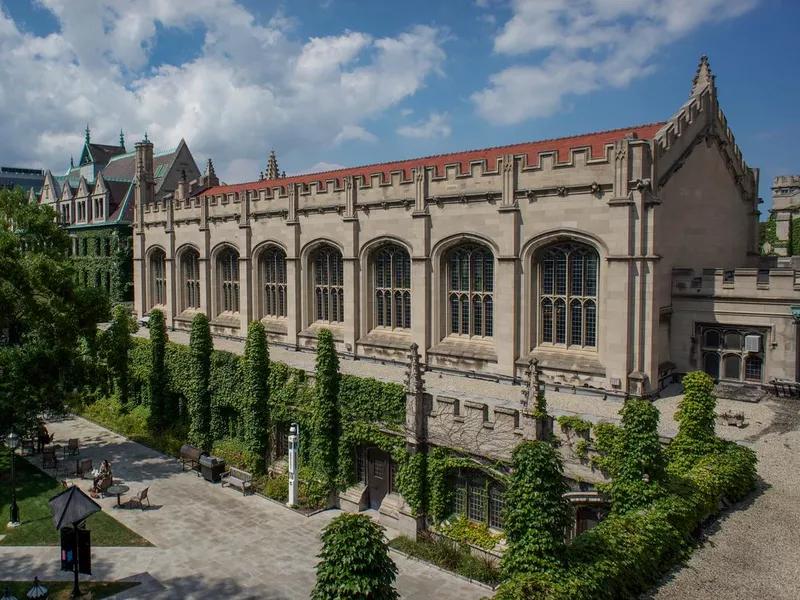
[273, 269]
[229, 275]
[329, 285]
[479, 498]
[393, 287]
[158, 267]
[190, 268]
[471, 291]
[568, 280]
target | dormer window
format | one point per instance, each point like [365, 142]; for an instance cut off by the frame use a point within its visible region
[81, 207]
[65, 214]
[99, 208]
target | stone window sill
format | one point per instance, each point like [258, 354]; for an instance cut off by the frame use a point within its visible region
[312, 331]
[395, 340]
[566, 360]
[464, 348]
[272, 325]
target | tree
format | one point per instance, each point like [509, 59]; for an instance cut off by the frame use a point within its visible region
[696, 423]
[355, 562]
[325, 425]
[199, 401]
[536, 514]
[117, 345]
[158, 371]
[255, 363]
[44, 314]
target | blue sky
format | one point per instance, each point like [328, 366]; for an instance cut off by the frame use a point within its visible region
[347, 82]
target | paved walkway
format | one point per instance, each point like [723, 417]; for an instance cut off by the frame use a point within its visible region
[209, 542]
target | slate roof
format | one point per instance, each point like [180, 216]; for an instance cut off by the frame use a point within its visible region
[102, 153]
[124, 166]
[596, 142]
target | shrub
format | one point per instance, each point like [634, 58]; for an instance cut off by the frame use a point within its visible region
[117, 344]
[536, 515]
[451, 556]
[158, 371]
[696, 423]
[199, 399]
[355, 562]
[236, 454]
[633, 457]
[255, 364]
[277, 488]
[465, 531]
[325, 412]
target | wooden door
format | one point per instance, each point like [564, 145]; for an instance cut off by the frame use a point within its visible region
[379, 473]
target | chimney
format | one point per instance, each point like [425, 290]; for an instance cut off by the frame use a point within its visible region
[144, 184]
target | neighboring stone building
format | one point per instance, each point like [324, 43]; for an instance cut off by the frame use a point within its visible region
[781, 232]
[94, 200]
[583, 259]
[28, 179]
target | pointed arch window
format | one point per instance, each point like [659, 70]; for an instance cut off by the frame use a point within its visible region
[273, 273]
[158, 268]
[228, 265]
[328, 285]
[470, 294]
[392, 266]
[190, 271]
[568, 282]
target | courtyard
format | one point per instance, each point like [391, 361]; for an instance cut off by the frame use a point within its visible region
[212, 541]
[207, 541]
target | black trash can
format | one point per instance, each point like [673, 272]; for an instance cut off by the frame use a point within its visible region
[212, 468]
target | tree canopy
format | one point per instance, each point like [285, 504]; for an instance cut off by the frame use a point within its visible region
[44, 314]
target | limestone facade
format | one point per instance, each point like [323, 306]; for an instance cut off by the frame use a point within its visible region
[572, 251]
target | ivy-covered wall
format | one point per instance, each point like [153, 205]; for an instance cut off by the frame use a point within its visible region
[768, 234]
[103, 257]
[372, 411]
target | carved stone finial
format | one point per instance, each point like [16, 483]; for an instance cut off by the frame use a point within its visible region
[88, 132]
[415, 383]
[704, 78]
[145, 137]
[272, 171]
[283, 174]
[210, 168]
[71, 162]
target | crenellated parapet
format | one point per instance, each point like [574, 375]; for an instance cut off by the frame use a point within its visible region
[505, 176]
[492, 432]
[736, 283]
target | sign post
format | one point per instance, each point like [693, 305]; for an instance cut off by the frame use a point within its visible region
[294, 435]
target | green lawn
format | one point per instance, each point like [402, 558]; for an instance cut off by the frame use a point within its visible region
[34, 490]
[62, 590]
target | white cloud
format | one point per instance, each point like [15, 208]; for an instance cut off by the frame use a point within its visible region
[252, 87]
[406, 111]
[583, 45]
[436, 125]
[354, 132]
[321, 167]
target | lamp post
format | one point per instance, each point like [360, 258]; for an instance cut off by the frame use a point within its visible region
[293, 445]
[13, 441]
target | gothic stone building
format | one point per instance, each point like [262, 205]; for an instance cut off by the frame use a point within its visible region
[617, 259]
[607, 264]
[94, 201]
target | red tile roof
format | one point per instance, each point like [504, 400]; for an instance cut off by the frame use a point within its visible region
[561, 146]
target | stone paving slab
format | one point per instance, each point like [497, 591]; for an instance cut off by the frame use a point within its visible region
[209, 541]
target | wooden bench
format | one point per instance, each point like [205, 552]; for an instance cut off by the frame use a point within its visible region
[238, 479]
